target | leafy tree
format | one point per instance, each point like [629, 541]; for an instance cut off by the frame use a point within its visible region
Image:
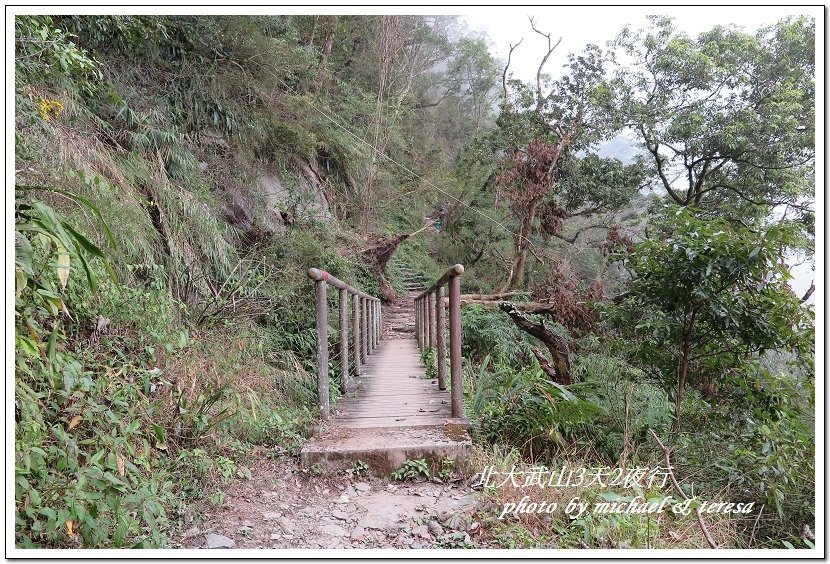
[727, 118]
[706, 299]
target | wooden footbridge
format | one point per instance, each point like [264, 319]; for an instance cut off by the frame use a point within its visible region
[390, 408]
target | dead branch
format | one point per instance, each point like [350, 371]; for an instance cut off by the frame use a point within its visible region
[544, 364]
[487, 297]
[560, 372]
[667, 461]
[378, 254]
[507, 66]
[539, 98]
[527, 307]
[755, 527]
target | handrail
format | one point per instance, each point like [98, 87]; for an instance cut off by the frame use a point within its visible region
[454, 271]
[366, 332]
[430, 331]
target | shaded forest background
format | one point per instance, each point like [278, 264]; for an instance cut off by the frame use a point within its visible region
[176, 176]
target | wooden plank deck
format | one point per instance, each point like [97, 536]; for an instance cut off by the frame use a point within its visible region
[392, 390]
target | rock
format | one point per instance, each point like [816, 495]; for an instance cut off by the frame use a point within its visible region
[457, 522]
[307, 511]
[275, 536]
[248, 524]
[407, 541]
[342, 515]
[434, 528]
[218, 541]
[333, 530]
[286, 525]
[191, 532]
[271, 515]
[358, 533]
[373, 522]
[343, 499]
[421, 531]
[285, 506]
[362, 487]
[203, 166]
[349, 491]
[415, 545]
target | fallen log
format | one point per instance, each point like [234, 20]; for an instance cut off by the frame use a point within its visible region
[378, 254]
[488, 297]
[527, 307]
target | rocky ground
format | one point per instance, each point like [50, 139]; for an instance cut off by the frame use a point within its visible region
[281, 507]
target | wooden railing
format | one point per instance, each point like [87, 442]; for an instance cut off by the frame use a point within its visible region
[366, 332]
[430, 330]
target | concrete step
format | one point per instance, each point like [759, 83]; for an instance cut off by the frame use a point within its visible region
[384, 450]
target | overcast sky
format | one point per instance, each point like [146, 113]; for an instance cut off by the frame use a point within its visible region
[578, 26]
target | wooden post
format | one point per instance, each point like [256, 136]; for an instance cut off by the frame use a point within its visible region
[378, 325]
[322, 348]
[344, 340]
[356, 331]
[423, 324]
[364, 305]
[440, 338]
[370, 320]
[430, 320]
[456, 393]
[418, 322]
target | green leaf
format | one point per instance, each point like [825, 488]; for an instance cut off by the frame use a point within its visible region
[89, 247]
[81, 200]
[53, 339]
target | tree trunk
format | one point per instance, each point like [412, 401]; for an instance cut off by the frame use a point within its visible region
[560, 371]
[686, 347]
[329, 28]
[516, 277]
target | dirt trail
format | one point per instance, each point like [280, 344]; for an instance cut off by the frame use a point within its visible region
[399, 317]
[281, 506]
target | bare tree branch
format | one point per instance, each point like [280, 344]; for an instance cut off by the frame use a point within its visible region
[539, 98]
[422, 105]
[667, 462]
[507, 66]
